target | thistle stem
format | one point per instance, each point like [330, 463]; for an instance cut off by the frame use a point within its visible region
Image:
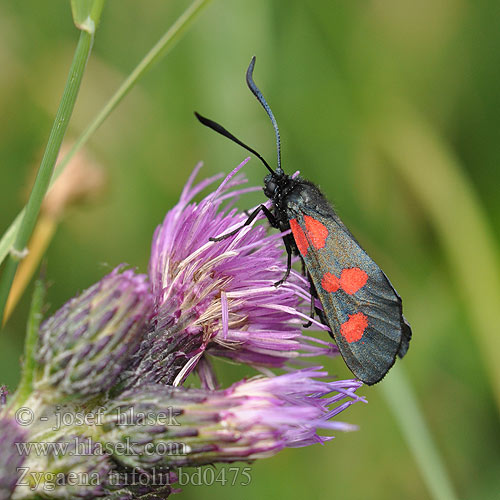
[35, 316]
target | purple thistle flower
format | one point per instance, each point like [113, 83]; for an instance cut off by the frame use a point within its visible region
[219, 297]
[251, 419]
[10, 458]
[86, 344]
[125, 344]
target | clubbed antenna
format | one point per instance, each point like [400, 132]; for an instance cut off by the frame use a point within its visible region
[258, 94]
[221, 130]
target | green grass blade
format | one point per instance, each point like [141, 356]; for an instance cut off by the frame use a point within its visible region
[44, 175]
[86, 14]
[439, 182]
[10, 235]
[404, 405]
[166, 42]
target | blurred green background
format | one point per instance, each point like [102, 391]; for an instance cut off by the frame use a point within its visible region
[391, 106]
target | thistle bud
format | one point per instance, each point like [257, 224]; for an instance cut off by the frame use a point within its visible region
[170, 427]
[85, 345]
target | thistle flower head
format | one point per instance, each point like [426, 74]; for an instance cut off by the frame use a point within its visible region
[249, 420]
[85, 345]
[219, 296]
[125, 345]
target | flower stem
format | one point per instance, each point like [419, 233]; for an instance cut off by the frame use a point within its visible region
[41, 184]
[35, 316]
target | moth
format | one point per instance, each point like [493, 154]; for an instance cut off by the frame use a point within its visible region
[359, 304]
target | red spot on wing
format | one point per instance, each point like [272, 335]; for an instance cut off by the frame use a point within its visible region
[300, 237]
[351, 280]
[352, 330]
[330, 282]
[316, 231]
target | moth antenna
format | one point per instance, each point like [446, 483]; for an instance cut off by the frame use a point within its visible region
[258, 94]
[221, 130]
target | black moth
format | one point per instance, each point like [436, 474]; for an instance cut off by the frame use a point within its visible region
[360, 306]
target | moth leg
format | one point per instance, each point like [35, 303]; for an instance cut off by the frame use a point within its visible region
[324, 320]
[288, 248]
[270, 216]
[250, 219]
[304, 272]
[312, 292]
[274, 223]
[286, 240]
[315, 310]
